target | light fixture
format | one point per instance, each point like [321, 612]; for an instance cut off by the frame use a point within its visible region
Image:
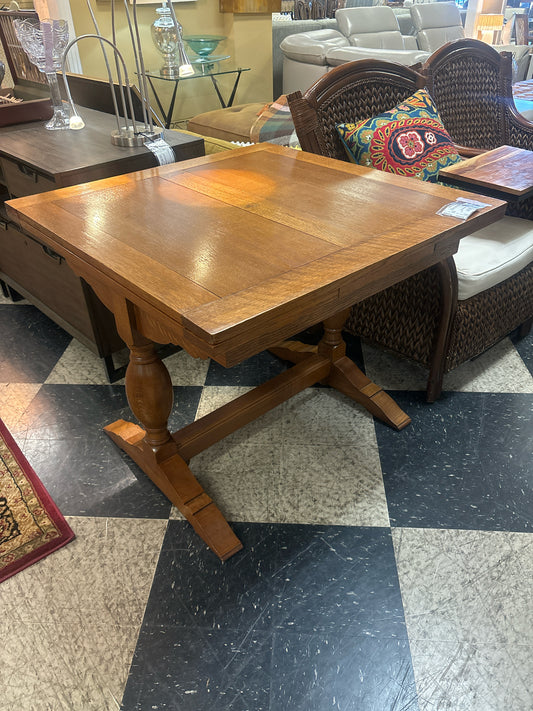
[129, 133]
[487, 25]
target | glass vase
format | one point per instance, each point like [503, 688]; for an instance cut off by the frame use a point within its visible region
[44, 43]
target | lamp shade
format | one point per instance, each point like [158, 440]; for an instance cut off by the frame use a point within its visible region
[486, 22]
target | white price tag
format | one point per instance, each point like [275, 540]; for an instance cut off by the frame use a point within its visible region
[162, 151]
[462, 208]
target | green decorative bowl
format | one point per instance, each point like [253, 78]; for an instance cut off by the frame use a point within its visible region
[203, 45]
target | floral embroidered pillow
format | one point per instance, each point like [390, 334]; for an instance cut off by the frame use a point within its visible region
[408, 140]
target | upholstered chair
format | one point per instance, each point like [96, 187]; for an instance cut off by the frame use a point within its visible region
[437, 23]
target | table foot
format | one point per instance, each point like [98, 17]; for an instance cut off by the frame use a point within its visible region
[343, 374]
[170, 473]
[346, 377]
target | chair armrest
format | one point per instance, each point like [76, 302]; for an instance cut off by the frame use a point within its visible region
[467, 152]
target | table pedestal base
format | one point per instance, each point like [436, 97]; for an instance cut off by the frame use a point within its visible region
[163, 456]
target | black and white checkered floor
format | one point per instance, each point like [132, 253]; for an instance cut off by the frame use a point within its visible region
[381, 570]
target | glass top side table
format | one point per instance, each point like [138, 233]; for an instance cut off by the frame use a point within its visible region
[201, 70]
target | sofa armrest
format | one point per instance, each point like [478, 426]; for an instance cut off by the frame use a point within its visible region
[521, 59]
[312, 47]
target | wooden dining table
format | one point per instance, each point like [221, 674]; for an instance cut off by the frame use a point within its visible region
[229, 255]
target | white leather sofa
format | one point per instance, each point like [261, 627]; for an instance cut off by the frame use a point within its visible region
[362, 32]
[373, 32]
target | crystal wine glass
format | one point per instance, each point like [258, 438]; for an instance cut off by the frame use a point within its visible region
[44, 43]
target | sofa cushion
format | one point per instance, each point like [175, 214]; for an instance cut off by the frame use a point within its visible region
[407, 57]
[375, 27]
[378, 18]
[408, 140]
[436, 23]
[493, 254]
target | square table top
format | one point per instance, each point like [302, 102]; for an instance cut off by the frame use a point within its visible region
[234, 252]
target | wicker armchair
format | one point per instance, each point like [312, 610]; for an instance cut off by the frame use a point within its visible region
[482, 115]
[421, 318]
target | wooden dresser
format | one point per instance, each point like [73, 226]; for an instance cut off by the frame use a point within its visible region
[35, 160]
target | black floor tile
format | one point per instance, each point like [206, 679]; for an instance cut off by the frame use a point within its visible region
[251, 372]
[182, 669]
[30, 344]
[340, 671]
[290, 576]
[185, 669]
[82, 469]
[303, 608]
[463, 463]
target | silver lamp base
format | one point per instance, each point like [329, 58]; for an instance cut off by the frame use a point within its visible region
[128, 139]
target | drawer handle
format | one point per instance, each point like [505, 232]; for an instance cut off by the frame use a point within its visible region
[50, 253]
[28, 171]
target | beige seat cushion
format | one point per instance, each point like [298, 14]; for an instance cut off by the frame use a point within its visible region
[493, 254]
[231, 124]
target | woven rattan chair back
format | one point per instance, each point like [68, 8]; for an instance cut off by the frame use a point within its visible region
[469, 81]
[349, 93]
[471, 84]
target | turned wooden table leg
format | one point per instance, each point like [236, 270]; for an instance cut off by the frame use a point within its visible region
[149, 392]
[332, 345]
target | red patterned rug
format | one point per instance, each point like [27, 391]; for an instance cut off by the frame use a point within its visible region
[31, 525]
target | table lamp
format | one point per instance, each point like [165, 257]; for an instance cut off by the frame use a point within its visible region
[487, 26]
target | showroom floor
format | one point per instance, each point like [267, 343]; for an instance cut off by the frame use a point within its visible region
[381, 570]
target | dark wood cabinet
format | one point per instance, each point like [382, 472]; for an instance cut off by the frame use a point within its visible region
[35, 160]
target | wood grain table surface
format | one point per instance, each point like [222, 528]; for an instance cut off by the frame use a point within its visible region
[230, 254]
[505, 171]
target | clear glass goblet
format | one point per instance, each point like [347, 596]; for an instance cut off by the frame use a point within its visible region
[44, 43]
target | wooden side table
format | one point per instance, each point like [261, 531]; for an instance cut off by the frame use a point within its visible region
[505, 172]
